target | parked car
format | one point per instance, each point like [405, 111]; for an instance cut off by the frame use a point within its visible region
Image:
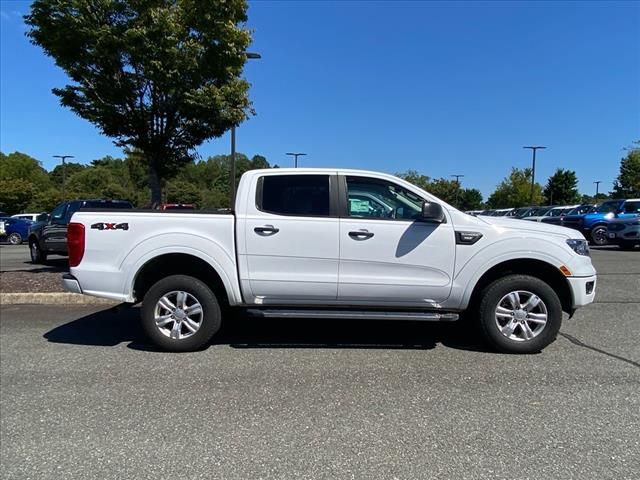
[624, 232]
[177, 206]
[553, 212]
[576, 210]
[29, 216]
[502, 212]
[15, 230]
[49, 236]
[535, 213]
[307, 243]
[594, 224]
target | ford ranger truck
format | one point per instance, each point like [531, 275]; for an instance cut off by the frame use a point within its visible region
[318, 244]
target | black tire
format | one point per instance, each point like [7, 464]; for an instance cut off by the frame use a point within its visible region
[491, 299]
[37, 255]
[15, 239]
[599, 235]
[209, 320]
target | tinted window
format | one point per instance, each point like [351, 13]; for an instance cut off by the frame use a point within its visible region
[57, 215]
[632, 207]
[295, 195]
[609, 207]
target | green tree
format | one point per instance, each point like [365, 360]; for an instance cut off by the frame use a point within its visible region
[415, 178]
[45, 200]
[21, 166]
[97, 182]
[470, 199]
[159, 76]
[21, 177]
[592, 199]
[627, 184]
[515, 191]
[446, 190]
[562, 188]
[179, 191]
[15, 195]
[70, 168]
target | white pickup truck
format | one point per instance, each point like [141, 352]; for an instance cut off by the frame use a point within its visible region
[319, 243]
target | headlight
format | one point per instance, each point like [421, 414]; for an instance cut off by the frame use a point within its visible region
[581, 247]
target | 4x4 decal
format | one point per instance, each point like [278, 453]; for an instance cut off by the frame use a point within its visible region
[110, 226]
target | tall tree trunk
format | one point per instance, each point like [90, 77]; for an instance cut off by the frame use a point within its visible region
[154, 183]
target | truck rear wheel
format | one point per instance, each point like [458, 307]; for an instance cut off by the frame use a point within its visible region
[520, 314]
[180, 313]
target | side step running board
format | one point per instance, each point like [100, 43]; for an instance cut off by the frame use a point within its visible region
[354, 314]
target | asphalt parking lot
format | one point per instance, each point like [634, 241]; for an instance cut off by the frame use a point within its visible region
[15, 258]
[83, 396]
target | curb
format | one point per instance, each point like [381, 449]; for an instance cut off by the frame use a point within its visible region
[62, 298]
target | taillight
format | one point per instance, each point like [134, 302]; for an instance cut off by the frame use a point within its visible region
[75, 243]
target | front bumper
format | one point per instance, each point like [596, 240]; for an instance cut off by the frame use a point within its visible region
[70, 283]
[583, 290]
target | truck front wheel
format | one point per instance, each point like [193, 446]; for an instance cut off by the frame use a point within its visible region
[180, 313]
[520, 314]
[37, 255]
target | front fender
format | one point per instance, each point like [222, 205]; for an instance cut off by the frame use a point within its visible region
[471, 269]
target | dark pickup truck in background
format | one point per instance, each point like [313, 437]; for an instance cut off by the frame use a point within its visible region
[49, 236]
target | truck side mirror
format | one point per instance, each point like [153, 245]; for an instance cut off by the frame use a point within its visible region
[432, 212]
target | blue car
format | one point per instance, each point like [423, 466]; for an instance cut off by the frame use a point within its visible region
[15, 229]
[594, 224]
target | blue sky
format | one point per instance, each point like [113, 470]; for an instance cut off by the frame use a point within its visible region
[442, 88]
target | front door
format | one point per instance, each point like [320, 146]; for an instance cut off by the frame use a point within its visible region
[387, 254]
[54, 233]
[289, 253]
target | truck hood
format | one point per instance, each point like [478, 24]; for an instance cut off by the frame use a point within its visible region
[516, 224]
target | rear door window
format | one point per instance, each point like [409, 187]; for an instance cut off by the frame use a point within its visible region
[303, 195]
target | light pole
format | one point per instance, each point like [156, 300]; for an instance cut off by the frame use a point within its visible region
[457, 189]
[533, 170]
[296, 155]
[64, 179]
[232, 180]
[597, 182]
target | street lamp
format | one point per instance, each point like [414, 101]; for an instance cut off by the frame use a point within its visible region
[458, 189]
[597, 182]
[232, 180]
[533, 170]
[296, 155]
[64, 179]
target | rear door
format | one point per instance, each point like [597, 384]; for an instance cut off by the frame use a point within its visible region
[387, 254]
[288, 245]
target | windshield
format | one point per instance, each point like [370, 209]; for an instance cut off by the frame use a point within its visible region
[582, 209]
[556, 212]
[536, 212]
[609, 207]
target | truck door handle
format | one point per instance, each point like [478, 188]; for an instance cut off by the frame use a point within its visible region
[266, 230]
[361, 234]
